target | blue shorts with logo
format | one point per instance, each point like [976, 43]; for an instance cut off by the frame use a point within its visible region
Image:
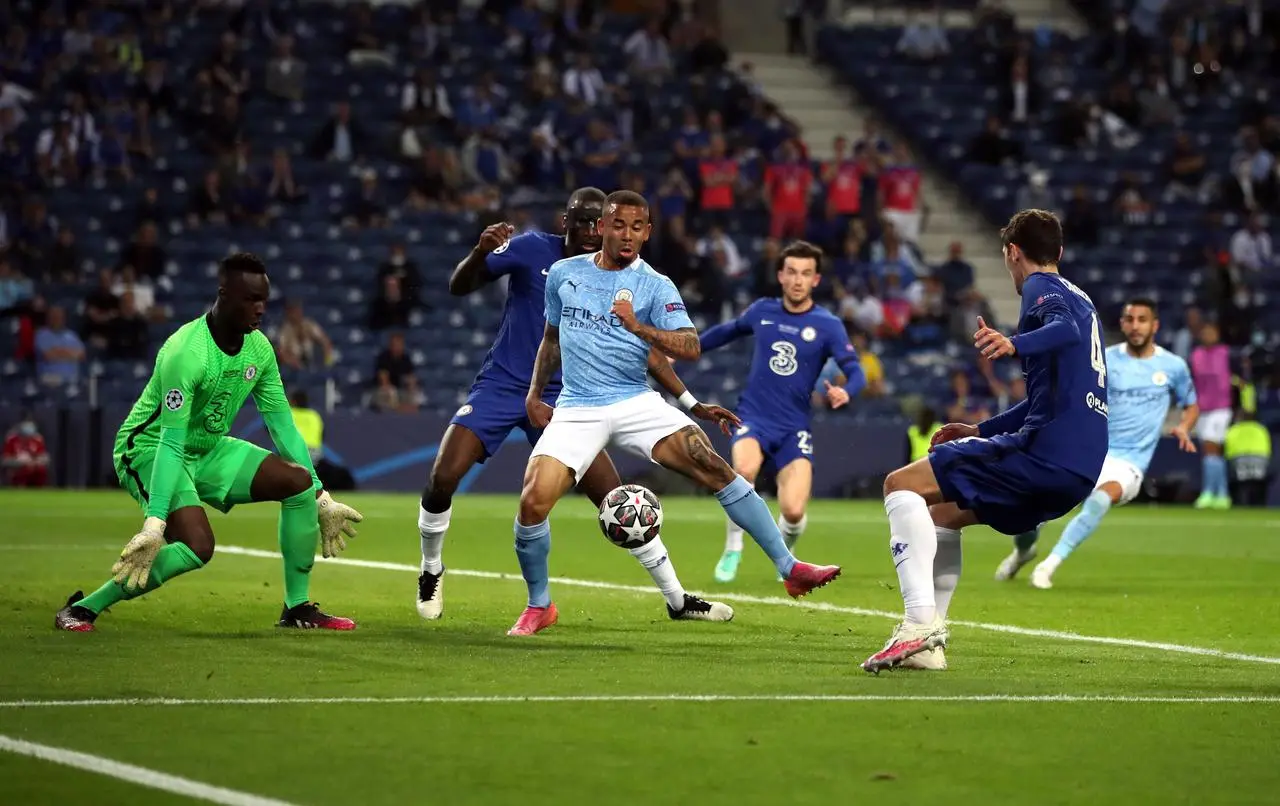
[493, 409]
[783, 445]
[1006, 487]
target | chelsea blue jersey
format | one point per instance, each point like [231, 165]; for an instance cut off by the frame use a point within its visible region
[524, 260]
[1140, 391]
[602, 363]
[790, 352]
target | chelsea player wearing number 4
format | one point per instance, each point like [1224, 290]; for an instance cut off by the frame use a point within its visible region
[1027, 465]
[1142, 379]
[495, 407]
[794, 338]
[605, 312]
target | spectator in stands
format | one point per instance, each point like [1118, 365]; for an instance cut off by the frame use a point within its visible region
[1187, 169]
[101, 307]
[58, 152]
[224, 128]
[280, 185]
[900, 194]
[1080, 219]
[394, 380]
[872, 367]
[963, 406]
[16, 170]
[1251, 251]
[364, 46]
[1157, 107]
[964, 315]
[542, 165]
[24, 457]
[77, 40]
[956, 273]
[992, 146]
[37, 232]
[707, 55]
[128, 334]
[1021, 97]
[718, 180]
[59, 351]
[788, 182]
[928, 301]
[208, 205]
[144, 254]
[84, 128]
[63, 262]
[154, 91]
[1128, 200]
[1187, 337]
[861, 308]
[584, 81]
[436, 181]
[733, 272]
[342, 139]
[1253, 183]
[16, 290]
[390, 308]
[286, 74]
[142, 289]
[1057, 80]
[110, 155]
[842, 181]
[227, 68]
[149, 208]
[893, 261]
[1121, 103]
[366, 208]
[647, 52]
[1035, 194]
[484, 159]
[424, 101]
[599, 157]
[923, 39]
[399, 266]
[301, 343]
[897, 306]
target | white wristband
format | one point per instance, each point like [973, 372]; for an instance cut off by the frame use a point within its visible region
[687, 400]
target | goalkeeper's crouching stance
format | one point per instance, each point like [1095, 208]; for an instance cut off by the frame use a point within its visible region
[172, 454]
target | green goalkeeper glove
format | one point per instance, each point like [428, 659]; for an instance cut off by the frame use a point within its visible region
[335, 520]
[133, 569]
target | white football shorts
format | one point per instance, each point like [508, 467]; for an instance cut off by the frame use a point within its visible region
[1212, 425]
[577, 434]
[1125, 473]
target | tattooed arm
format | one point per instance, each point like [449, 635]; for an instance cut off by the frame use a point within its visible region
[680, 344]
[547, 362]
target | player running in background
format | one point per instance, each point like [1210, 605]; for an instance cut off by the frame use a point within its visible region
[496, 404]
[1211, 369]
[794, 338]
[1027, 465]
[1142, 379]
[604, 314]
[172, 454]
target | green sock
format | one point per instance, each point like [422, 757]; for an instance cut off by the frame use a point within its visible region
[299, 533]
[173, 560]
[1025, 541]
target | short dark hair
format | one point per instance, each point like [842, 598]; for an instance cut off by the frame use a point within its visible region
[802, 249]
[245, 262]
[1038, 233]
[1146, 302]
[585, 195]
[626, 198]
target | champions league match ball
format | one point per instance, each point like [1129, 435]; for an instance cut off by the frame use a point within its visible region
[630, 516]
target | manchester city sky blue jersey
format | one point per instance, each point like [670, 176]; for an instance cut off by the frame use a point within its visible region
[1140, 391]
[602, 363]
[790, 351]
[524, 260]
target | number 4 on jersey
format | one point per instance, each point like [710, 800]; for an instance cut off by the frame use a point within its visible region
[1097, 356]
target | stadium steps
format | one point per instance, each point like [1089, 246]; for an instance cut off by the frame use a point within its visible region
[823, 108]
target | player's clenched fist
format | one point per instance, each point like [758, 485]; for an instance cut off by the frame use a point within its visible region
[952, 431]
[494, 236]
[626, 313]
[539, 412]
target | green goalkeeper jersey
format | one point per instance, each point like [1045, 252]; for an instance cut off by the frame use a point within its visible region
[193, 397]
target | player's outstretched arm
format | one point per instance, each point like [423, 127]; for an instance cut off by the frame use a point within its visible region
[718, 336]
[472, 272]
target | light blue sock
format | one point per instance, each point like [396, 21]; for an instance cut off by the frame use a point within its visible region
[1026, 541]
[1082, 525]
[533, 544]
[747, 509]
[1215, 475]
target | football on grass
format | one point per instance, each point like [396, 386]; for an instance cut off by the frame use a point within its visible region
[630, 516]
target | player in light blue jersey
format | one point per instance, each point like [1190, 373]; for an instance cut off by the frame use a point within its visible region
[1142, 379]
[605, 312]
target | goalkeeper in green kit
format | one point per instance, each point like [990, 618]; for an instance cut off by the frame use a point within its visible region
[172, 454]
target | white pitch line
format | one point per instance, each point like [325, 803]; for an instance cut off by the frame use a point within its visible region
[1009, 629]
[135, 775]
[644, 698]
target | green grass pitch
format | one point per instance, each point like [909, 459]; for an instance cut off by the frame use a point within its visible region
[602, 705]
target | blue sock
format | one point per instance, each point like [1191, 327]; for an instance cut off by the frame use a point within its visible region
[533, 544]
[1215, 475]
[1082, 525]
[1026, 541]
[747, 509]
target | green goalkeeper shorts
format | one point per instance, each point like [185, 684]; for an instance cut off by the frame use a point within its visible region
[221, 478]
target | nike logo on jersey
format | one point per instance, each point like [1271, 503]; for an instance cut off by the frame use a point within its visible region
[544, 272]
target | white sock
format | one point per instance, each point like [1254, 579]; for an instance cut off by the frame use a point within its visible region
[732, 536]
[653, 556]
[431, 528]
[1050, 563]
[913, 544]
[791, 531]
[946, 568]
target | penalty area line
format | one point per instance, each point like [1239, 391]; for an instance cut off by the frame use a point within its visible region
[141, 776]
[778, 601]
[168, 702]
